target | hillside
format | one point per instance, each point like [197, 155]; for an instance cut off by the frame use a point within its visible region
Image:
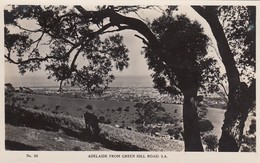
[29, 129]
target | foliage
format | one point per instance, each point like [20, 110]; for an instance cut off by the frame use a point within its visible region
[148, 129]
[148, 113]
[119, 109]
[183, 63]
[252, 127]
[239, 26]
[211, 141]
[175, 131]
[248, 143]
[66, 37]
[205, 125]
[10, 99]
[101, 119]
[202, 111]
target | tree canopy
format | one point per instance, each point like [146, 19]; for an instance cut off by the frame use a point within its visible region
[67, 37]
[187, 65]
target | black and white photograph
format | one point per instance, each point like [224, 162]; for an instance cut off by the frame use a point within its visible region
[137, 78]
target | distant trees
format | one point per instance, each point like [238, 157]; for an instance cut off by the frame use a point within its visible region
[9, 94]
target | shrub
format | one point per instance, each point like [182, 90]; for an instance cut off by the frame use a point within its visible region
[35, 107]
[205, 125]
[108, 121]
[89, 107]
[126, 109]
[252, 127]
[248, 143]
[57, 107]
[211, 141]
[76, 148]
[167, 119]
[202, 112]
[171, 132]
[101, 119]
[119, 109]
[175, 131]
[25, 101]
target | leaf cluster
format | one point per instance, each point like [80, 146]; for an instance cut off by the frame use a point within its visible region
[182, 63]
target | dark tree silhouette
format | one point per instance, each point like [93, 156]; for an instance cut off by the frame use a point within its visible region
[186, 69]
[238, 34]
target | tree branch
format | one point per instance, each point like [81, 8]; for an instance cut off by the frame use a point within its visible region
[209, 13]
[40, 59]
[118, 19]
[143, 39]
[28, 30]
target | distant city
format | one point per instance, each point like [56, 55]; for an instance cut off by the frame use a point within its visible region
[42, 81]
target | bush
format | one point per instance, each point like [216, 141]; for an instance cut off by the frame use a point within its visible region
[175, 131]
[101, 119]
[211, 141]
[205, 125]
[149, 130]
[119, 109]
[252, 127]
[108, 121]
[89, 107]
[126, 109]
[57, 107]
[202, 112]
[248, 144]
[35, 107]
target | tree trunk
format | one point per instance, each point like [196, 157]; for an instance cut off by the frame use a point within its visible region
[60, 89]
[240, 96]
[192, 138]
[239, 106]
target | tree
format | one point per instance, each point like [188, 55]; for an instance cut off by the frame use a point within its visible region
[59, 29]
[71, 28]
[148, 113]
[241, 97]
[186, 69]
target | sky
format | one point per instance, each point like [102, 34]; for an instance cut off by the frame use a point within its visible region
[137, 64]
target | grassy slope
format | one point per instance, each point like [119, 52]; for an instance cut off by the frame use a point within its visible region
[76, 107]
[59, 126]
[35, 139]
